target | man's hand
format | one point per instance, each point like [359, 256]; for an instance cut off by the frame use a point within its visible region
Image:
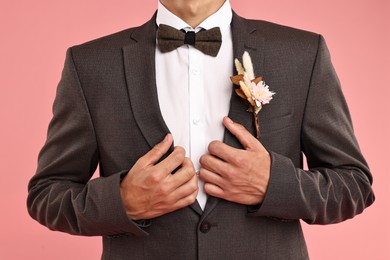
[150, 190]
[236, 175]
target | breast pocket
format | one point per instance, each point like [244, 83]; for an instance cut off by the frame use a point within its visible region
[271, 125]
[280, 134]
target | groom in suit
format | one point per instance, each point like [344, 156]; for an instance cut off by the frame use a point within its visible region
[182, 174]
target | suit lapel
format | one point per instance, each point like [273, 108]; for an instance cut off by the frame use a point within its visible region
[244, 39]
[140, 72]
[139, 60]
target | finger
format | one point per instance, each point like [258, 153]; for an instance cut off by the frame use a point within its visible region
[154, 155]
[184, 174]
[223, 151]
[214, 190]
[186, 201]
[213, 164]
[186, 189]
[173, 161]
[211, 177]
[247, 140]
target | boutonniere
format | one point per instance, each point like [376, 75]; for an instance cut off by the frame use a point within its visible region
[252, 90]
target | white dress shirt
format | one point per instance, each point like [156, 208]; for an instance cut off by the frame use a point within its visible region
[194, 89]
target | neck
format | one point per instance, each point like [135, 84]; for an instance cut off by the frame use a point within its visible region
[193, 12]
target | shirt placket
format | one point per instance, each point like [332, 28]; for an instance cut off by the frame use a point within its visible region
[196, 114]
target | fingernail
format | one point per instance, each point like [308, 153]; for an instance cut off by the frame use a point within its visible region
[165, 138]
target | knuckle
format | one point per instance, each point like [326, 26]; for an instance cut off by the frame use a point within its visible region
[157, 150]
[178, 155]
[141, 161]
[193, 186]
[238, 160]
[204, 159]
[213, 145]
[201, 159]
[165, 190]
[188, 166]
[190, 173]
[179, 150]
[191, 199]
[188, 162]
[208, 189]
[153, 178]
[176, 160]
[229, 173]
[201, 173]
[170, 200]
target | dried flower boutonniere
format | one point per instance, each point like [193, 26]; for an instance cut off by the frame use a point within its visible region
[252, 90]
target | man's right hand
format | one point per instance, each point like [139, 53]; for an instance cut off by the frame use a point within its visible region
[150, 190]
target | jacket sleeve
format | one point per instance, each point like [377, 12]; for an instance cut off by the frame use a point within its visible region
[337, 185]
[62, 195]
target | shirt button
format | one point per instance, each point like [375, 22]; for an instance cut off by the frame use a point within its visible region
[195, 72]
[205, 227]
[196, 121]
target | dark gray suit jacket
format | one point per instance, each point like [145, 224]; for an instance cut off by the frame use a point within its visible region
[106, 112]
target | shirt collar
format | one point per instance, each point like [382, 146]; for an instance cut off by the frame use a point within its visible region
[222, 19]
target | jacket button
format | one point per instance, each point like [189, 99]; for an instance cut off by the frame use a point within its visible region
[205, 227]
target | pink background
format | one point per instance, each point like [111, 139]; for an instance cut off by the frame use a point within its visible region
[34, 38]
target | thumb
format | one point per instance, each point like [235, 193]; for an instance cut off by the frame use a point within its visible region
[247, 140]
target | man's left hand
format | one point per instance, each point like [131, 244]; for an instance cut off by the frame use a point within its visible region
[236, 175]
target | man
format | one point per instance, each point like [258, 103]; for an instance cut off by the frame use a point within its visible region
[220, 193]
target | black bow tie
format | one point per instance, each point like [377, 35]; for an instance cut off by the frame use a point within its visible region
[207, 41]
